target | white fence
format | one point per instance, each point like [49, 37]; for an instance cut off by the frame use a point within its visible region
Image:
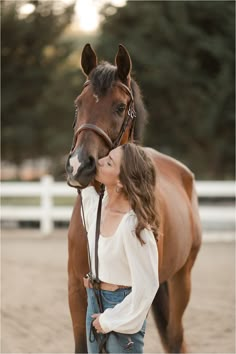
[212, 216]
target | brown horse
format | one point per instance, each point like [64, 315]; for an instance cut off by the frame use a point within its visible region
[102, 118]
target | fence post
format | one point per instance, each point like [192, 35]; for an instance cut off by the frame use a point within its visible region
[46, 222]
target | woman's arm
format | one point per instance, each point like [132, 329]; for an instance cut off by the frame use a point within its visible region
[129, 315]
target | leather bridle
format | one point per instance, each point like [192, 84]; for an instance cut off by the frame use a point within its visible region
[131, 115]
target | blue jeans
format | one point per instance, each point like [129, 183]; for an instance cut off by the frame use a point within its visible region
[116, 342]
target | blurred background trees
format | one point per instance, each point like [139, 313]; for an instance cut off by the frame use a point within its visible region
[39, 82]
[183, 60]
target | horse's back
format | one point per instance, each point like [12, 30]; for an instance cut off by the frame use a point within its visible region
[178, 206]
[172, 170]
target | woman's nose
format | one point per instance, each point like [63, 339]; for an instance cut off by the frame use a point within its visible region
[100, 162]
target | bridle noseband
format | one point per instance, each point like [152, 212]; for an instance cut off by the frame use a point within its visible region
[131, 115]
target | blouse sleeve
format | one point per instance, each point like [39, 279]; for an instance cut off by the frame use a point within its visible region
[129, 315]
[90, 202]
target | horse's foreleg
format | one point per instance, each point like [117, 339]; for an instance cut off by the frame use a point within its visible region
[78, 305]
[77, 268]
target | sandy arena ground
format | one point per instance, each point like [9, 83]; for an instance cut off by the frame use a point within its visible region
[35, 314]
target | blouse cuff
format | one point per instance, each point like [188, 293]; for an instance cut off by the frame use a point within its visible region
[104, 324]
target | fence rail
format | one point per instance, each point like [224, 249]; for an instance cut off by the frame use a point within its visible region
[212, 215]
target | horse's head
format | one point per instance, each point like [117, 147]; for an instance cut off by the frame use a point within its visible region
[104, 115]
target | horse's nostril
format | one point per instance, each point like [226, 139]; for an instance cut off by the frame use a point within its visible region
[69, 169]
[91, 160]
[90, 165]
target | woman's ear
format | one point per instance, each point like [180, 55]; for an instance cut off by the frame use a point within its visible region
[119, 185]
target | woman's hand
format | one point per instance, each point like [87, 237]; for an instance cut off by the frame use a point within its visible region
[96, 323]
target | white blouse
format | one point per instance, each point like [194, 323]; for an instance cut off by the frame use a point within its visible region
[123, 261]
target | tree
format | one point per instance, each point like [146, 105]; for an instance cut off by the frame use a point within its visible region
[183, 59]
[38, 82]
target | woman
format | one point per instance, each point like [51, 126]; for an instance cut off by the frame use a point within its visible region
[127, 250]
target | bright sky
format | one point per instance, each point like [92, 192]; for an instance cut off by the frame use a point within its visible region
[86, 12]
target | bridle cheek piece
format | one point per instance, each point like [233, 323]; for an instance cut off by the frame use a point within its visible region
[131, 115]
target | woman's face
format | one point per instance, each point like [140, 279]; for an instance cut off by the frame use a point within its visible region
[108, 168]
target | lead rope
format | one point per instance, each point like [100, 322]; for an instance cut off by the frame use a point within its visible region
[86, 232]
[95, 282]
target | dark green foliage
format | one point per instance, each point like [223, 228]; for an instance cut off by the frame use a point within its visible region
[183, 59]
[38, 83]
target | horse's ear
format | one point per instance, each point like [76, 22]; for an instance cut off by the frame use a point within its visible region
[123, 63]
[88, 59]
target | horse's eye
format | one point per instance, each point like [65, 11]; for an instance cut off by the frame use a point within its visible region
[120, 109]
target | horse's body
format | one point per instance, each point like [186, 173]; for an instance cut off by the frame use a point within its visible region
[180, 236]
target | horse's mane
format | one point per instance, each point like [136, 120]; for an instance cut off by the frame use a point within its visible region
[102, 79]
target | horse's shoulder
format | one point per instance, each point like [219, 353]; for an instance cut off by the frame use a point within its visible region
[168, 161]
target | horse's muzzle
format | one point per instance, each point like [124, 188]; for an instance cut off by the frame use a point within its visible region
[80, 172]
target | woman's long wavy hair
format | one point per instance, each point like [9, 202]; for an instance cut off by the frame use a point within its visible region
[138, 177]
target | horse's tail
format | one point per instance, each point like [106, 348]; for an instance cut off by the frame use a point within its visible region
[160, 309]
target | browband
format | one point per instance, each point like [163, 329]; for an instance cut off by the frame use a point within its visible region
[120, 84]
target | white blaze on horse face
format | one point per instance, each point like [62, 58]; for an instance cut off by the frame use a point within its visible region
[75, 164]
[96, 98]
